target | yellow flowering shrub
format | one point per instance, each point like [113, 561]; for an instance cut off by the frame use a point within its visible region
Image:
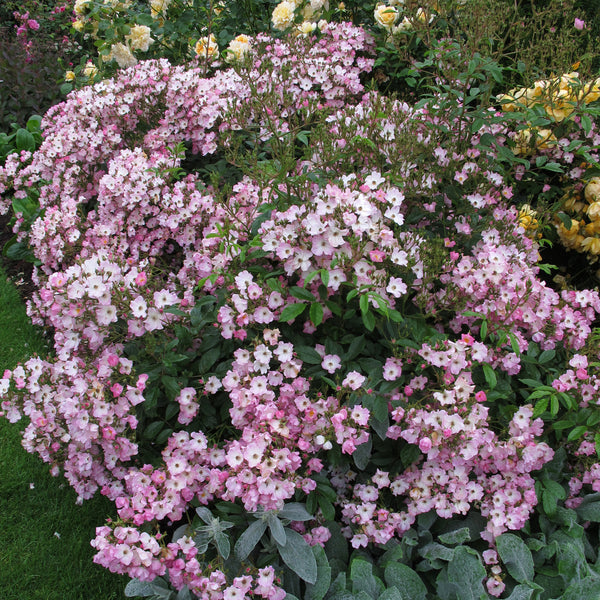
[582, 233]
[558, 96]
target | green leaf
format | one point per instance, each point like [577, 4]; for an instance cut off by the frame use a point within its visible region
[223, 544]
[516, 556]
[466, 574]
[458, 536]
[521, 592]
[316, 314]
[364, 304]
[576, 433]
[391, 594]
[24, 140]
[295, 511]
[362, 454]
[289, 313]
[308, 355]
[355, 348]
[248, 540]
[589, 509]
[327, 508]
[153, 430]
[321, 586]
[546, 356]
[277, 529]
[589, 587]
[363, 580]
[302, 294]
[554, 167]
[490, 375]
[368, 320]
[184, 594]
[171, 386]
[298, 556]
[483, 330]
[586, 123]
[407, 581]
[157, 588]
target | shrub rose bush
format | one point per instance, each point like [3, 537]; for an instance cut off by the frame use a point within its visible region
[303, 339]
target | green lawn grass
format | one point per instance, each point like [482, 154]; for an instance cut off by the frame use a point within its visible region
[44, 536]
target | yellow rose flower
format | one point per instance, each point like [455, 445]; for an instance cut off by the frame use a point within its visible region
[90, 70]
[159, 7]
[69, 76]
[122, 54]
[78, 25]
[237, 48]
[283, 15]
[306, 28]
[592, 190]
[207, 48]
[81, 7]
[386, 16]
[139, 38]
[591, 245]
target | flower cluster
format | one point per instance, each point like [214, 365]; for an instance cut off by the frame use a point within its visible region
[263, 278]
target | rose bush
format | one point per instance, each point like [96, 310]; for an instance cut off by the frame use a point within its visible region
[303, 339]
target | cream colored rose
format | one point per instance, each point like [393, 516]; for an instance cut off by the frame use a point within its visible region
[159, 7]
[591, 245]
[81, 7]
[139, 38]
[405, 26]
[593, 211]
[69, 76]
[424, 16]
[314, 8]
[78, 25]
[386, 16]
[90, 70]
[306, 28]
[283, 15]
[592, 190]
[207, 48]
[237, 48]
[122, 54]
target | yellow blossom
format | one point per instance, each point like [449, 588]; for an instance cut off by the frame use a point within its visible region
[237, 48]
[283, 15]
[306, 28]
[591, 245]
[593, 211]
[78, 25]
[90, 70]
[69, 76]
[81, 7]
[139, 38]
[159, 7]
[122, 55]
[207, 48]
[592, 190]
[386, 16]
